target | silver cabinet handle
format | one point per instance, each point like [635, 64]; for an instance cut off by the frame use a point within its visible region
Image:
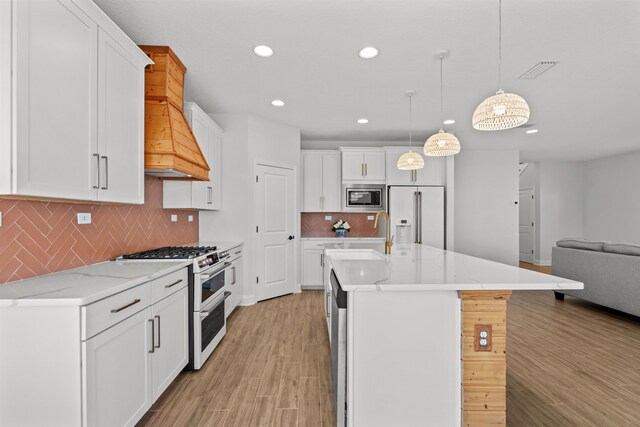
[173, 284]
[234, 275]
[106, 172]
[157, 317]
[118, 310]
[239, 252]
[97, 156]
[361, 169]
[210, 275]
[321, 260]
[328, 303]
[153, 336]
[366, 169]
[209, 195]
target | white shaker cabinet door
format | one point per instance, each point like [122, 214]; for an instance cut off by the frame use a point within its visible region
[117, 373]
[312, 267]
[331, 182]
[171, 341]
[352, 166]
[215, 174]
[120, 123]
[433, 172]
[200, 190]
[56, 99]
[312, 182]
[375, 166]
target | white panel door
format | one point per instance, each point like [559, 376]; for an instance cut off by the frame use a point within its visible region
[116, 368]
[375, 166]
[275, 213]
[352, 166]
[120, 124]
[432, 212]
[171, 341]
[331, 182]
[312, 182]
[527, 221]
[56, 100]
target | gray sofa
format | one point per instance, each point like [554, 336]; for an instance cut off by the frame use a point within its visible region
[610, 272]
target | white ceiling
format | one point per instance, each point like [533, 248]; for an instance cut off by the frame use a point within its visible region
[584, 107]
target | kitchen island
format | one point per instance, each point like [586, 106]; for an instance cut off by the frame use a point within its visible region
[425, 334]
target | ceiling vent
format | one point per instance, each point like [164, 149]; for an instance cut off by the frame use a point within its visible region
[535, 71]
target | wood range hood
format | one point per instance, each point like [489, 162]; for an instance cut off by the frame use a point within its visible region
[171, 151]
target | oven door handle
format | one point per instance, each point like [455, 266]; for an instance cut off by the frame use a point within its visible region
[204, 314]
[207, 276]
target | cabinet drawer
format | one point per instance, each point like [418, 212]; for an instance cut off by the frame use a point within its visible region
[167, 285]
[235, 253]
[316, 244]
[105, 313]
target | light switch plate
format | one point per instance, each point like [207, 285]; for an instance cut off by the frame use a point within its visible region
[190, 218]
[84, 218]
[174, 218]
[370, 217]
[328, 217]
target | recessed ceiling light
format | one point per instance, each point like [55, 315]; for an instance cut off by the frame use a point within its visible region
[263, 51]
[449, 122]
[530, 131]
[368, 52]
[363, 121]
[277, 103]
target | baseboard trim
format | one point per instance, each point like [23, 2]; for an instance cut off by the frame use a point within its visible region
[297, 289]
[312, 287]
[542, 263]
[247, 300]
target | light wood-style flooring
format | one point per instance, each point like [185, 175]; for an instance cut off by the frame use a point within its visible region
[273, 368]
[570, 363]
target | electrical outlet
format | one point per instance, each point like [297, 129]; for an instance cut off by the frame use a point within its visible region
[328, 217]
[174, 218]
[482, 337]
[370, 217]
[190, 218]
[84, 218]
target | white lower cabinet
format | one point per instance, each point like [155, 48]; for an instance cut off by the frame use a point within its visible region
[117, 373]
[99, 364]
[234, 279]
[312, 267]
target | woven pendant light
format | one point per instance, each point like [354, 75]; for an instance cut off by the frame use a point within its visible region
[502, 110]
[410, 160]
[441, 143]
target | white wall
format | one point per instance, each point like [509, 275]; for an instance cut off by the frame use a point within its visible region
[486, 215]
[612, 198]
[247, 139]
[560, 201]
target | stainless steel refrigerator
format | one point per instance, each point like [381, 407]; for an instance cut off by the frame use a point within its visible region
[417, 214]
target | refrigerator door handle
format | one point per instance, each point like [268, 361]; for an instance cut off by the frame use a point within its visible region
[416, 218]
[420, 217]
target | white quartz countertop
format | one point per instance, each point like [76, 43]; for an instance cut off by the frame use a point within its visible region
[85, 285]
[417, 267]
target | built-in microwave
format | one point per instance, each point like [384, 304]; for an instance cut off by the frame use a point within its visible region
[363, 197]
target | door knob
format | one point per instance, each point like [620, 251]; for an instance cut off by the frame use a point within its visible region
[291, 237]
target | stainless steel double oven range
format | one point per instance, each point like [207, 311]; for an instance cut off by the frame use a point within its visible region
[207, 295]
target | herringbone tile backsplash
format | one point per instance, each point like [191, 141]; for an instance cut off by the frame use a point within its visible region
[42, 237]
[314, 225]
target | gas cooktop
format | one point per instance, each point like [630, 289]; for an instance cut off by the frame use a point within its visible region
[172, 252]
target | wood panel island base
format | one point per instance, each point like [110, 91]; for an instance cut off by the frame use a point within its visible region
[425, 334]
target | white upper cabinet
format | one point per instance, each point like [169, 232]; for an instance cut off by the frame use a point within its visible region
[433, 172]
[200, 195]
[366, 165]
[321, 181]
[77, 104]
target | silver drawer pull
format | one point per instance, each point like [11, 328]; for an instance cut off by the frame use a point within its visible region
[239, 252]
[173, 284]
[118, 310]
[153, 336]
[157, 317]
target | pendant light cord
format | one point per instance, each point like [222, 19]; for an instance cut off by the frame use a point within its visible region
[410, 121]
[500, 44]
[441, 90]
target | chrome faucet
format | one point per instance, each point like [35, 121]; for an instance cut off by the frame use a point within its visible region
[389, 240]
